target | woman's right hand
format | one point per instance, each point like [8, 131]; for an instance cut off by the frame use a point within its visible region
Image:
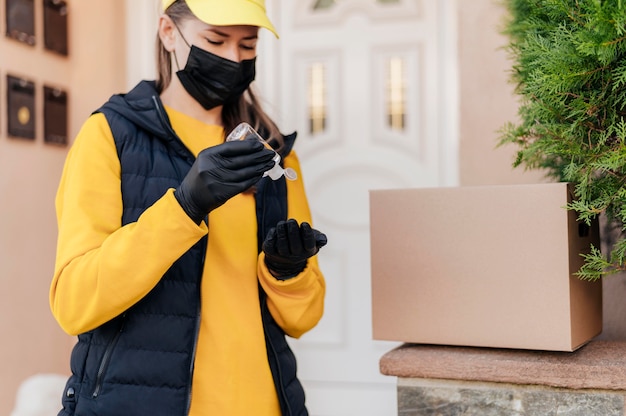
[221, 172]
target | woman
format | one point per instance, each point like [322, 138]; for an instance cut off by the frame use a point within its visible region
[178, 266]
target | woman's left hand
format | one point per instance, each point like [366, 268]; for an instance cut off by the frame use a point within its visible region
[288, 246]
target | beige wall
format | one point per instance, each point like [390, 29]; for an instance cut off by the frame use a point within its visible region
[29, 173]
[486, 97]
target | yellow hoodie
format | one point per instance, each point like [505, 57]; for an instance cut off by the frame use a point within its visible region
[102, 269]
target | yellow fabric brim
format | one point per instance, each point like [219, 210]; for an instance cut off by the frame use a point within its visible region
[229, 13]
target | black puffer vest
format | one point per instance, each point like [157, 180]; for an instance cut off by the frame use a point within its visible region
[141, 363]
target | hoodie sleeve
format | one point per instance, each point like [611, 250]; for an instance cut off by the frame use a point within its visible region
[296, 304]
[101, 267]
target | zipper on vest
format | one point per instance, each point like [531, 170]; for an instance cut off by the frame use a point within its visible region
[266, 316]
[106, 358]
[163, 117]
[193, 360]
[167, 125]
[196, 332]
[281, 383]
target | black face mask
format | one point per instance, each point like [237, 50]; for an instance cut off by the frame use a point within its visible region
[213, 80]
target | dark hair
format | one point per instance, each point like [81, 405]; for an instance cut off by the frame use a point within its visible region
[247, 108]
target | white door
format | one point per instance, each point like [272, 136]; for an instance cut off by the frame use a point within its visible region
[369, 85]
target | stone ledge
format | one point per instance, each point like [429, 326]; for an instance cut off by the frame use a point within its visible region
[424, 397]
[597, 365]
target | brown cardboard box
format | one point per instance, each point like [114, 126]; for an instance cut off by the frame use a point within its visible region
[486, 266]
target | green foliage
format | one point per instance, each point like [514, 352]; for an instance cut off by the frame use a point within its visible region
[569, 68]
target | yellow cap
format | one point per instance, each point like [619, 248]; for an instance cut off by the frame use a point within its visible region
[229, 12]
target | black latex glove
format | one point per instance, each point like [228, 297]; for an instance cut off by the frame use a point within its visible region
[221, 172]
[288, 246]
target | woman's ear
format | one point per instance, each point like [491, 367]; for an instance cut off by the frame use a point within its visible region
[167, 32]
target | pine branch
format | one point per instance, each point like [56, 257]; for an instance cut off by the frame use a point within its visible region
[569, 69]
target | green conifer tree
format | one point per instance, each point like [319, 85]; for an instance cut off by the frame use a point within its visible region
[569, 69]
